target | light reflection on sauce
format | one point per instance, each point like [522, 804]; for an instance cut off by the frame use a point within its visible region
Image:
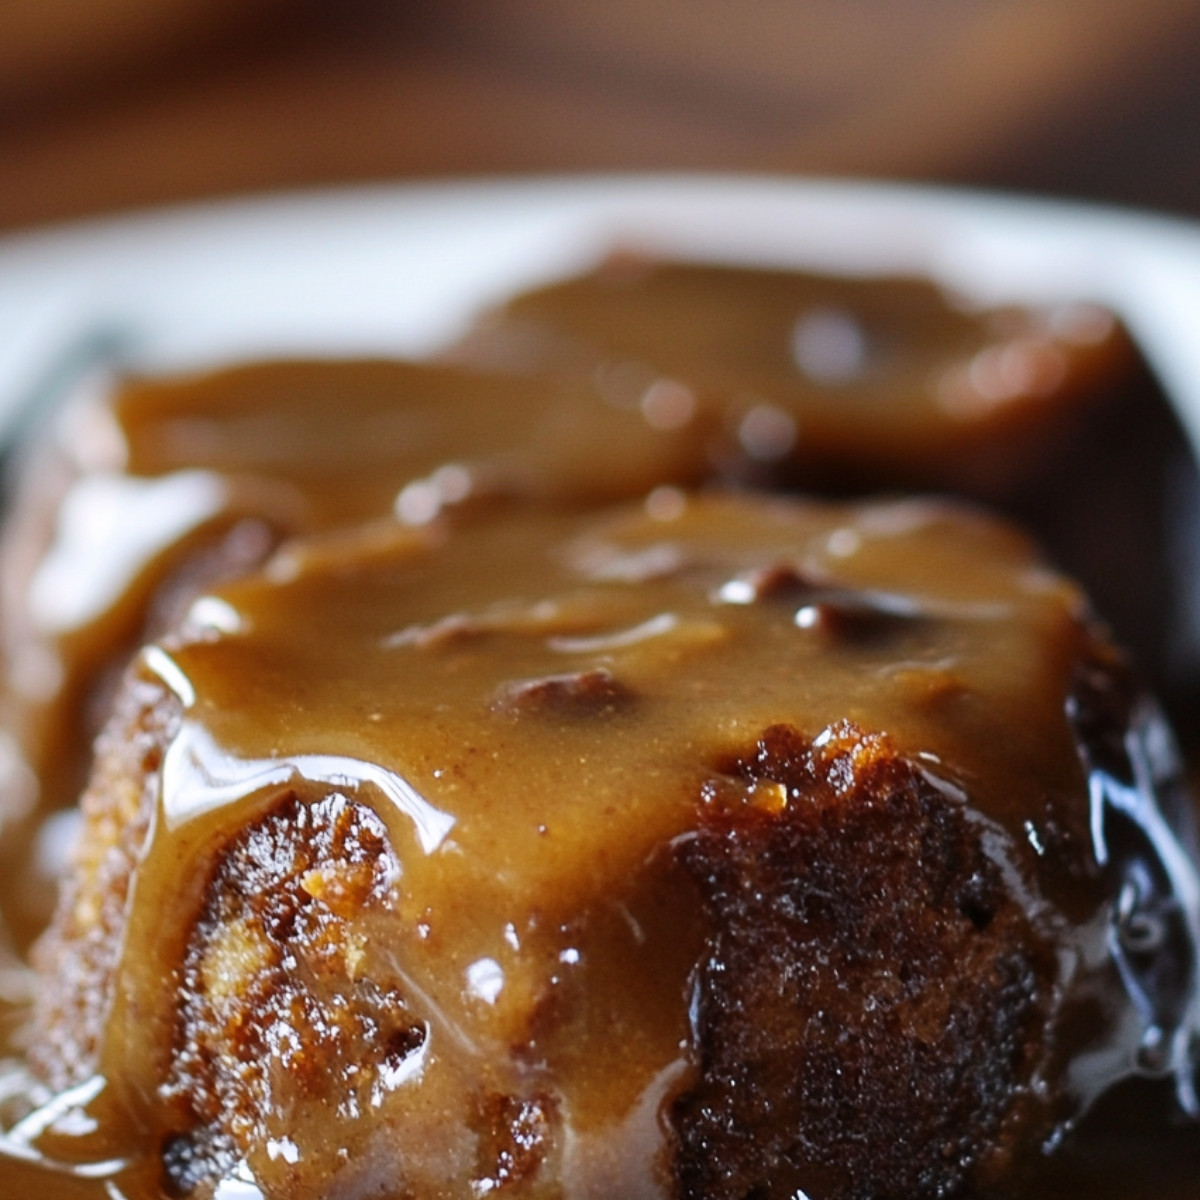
[110, 526]
[199, 779]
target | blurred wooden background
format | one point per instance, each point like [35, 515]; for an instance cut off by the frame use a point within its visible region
[113, 104]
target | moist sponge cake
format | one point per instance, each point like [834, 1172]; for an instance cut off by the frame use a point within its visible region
[854, 907]
[724, 848]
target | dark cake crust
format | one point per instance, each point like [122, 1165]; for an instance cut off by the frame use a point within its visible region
[868, 1017]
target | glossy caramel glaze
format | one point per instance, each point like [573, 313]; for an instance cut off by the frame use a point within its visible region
[852, 386]
[151, 491]
[676, 374]
[453, 881]
[831, 382]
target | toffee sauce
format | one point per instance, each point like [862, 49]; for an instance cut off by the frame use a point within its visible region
[532, 709]
[846, 387]
[635, 376]
[152, 489]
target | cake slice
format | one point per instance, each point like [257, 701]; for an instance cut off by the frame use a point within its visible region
[833, 381]
[733, 848]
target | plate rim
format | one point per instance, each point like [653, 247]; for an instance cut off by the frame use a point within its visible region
[358, 257]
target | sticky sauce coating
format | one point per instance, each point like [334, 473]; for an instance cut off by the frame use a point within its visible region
[155, 488]
[835, 382]
[468, 886]
[631, 377]
[703, 850]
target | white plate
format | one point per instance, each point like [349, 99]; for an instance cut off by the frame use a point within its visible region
[401, 269]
